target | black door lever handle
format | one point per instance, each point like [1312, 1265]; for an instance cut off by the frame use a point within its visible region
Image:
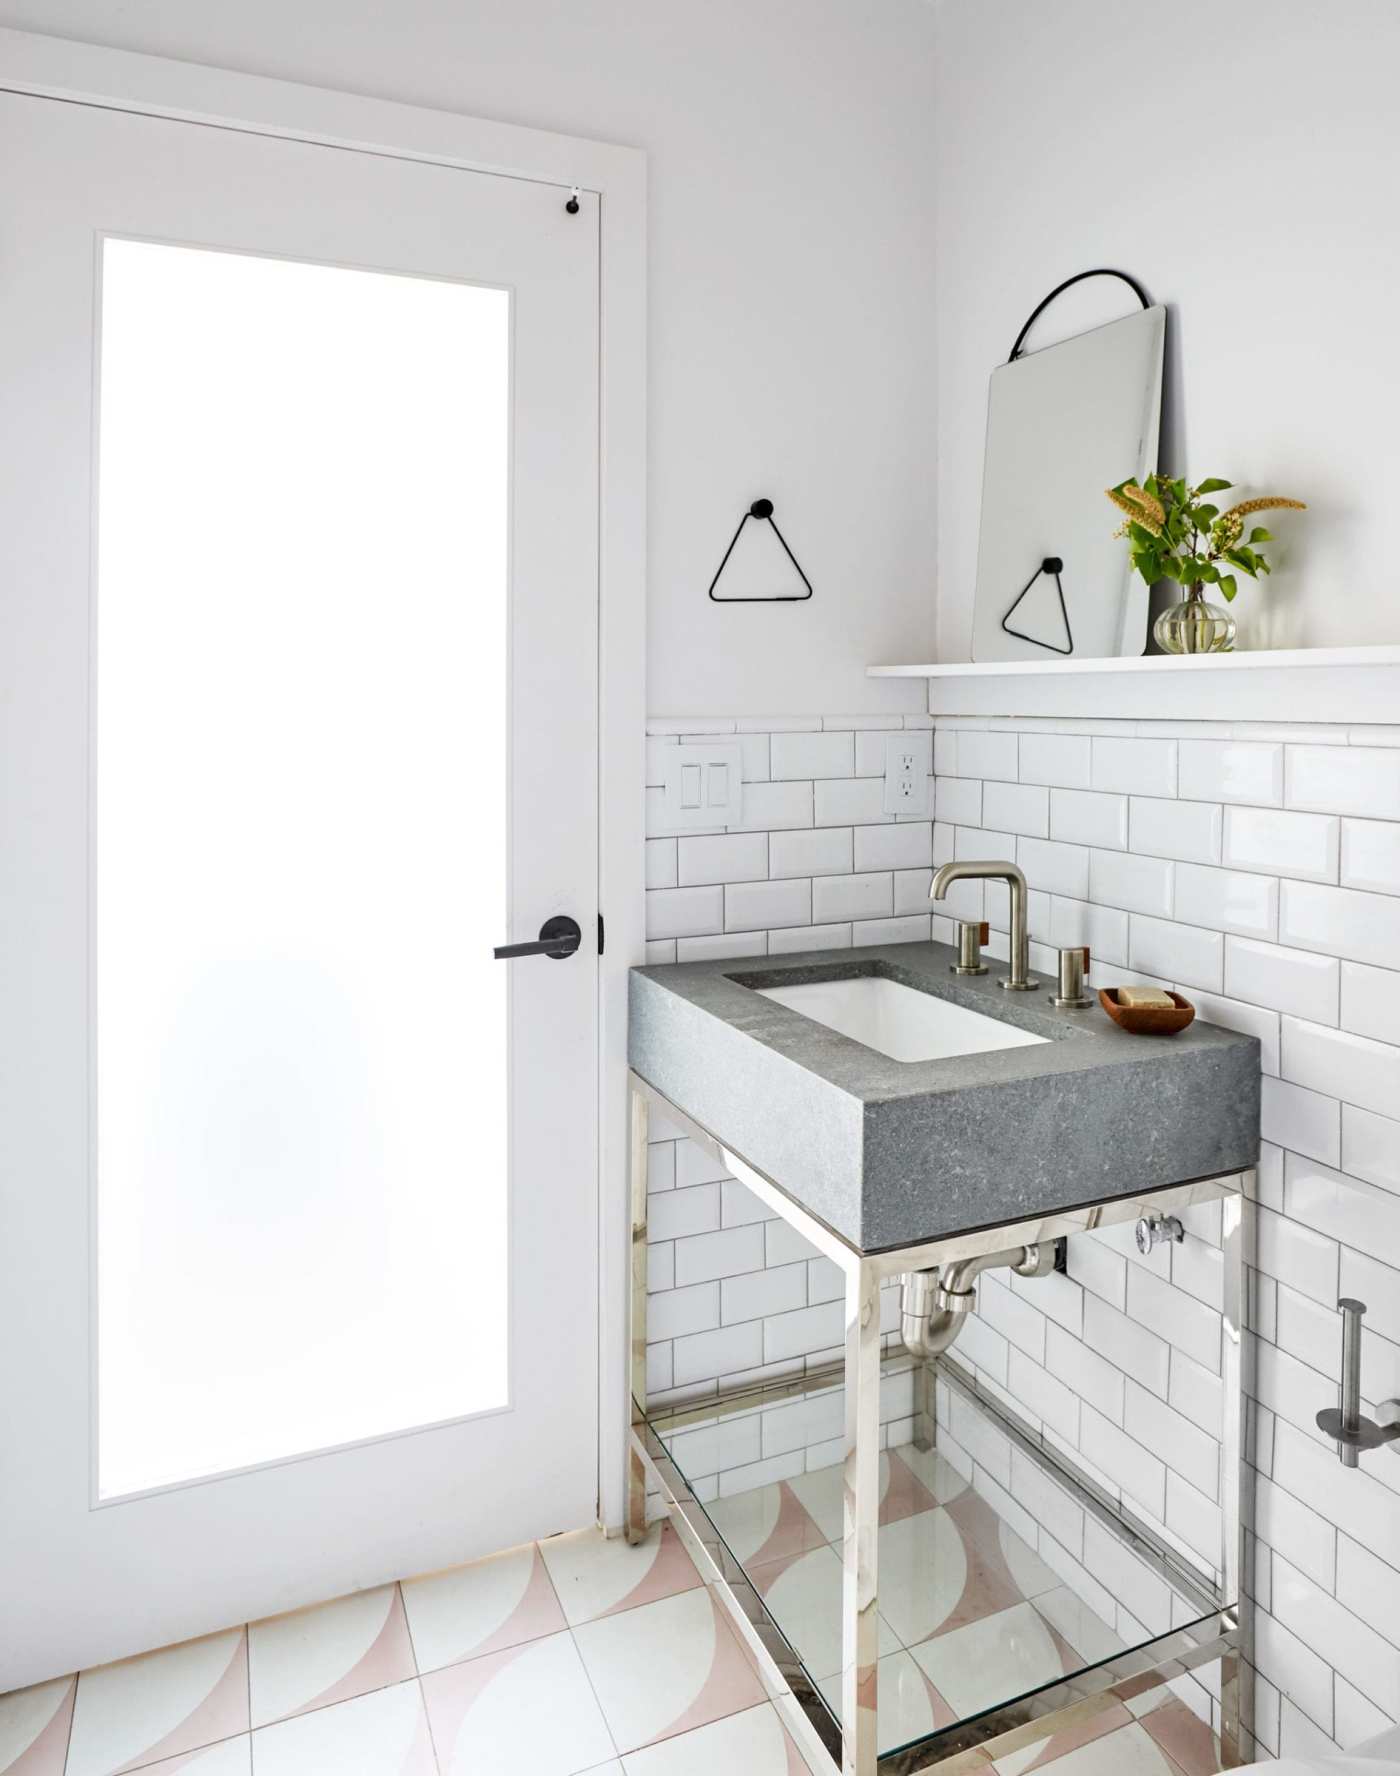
[559, 937]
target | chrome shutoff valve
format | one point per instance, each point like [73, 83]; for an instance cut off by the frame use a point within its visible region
[1156, 1230]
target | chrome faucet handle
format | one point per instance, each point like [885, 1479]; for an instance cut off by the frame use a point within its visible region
[1074, 965]
[1346, 1421]
[972, 934]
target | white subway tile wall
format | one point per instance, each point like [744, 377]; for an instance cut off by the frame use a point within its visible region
[1257, 870]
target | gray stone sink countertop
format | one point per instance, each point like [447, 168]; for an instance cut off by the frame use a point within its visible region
[889, 1153]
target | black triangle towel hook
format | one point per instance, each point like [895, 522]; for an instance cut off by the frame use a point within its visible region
[762, 510]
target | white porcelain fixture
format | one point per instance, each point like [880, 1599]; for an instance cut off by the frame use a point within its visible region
[898, 1021]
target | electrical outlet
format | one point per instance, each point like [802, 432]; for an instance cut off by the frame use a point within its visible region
[908, 758]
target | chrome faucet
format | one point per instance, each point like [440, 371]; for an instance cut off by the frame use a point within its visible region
[1018, 980]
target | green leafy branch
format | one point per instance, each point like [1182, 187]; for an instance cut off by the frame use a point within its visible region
[1175, 533]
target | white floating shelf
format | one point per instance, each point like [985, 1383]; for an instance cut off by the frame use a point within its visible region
[1356, 685]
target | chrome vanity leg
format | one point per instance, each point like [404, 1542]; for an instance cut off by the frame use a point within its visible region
[1236, 1738]
[637, 1359]
[861, 1492]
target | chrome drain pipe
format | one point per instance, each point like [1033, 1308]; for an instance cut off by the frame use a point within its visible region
[934, 1309]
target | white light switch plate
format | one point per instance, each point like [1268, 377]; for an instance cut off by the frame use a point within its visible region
[908, 762]
[703, 785]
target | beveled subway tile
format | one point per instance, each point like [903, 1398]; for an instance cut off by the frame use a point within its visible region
[751, 905]
[1184, 953]
[814, 851]
[1054, 868]
[1344, 780]
[906, 846]
[1371, 1001]
[1017, 808]
[1060, 760]
[989, 755]
[850, 801]
[1302, 1121]
[684, 912]
[1086, 817]
[1371, 855]
[1226, 900]
[1301, 982]
[812, 756]
[1136, 884]
[839, 898]
[1135, 767]
[721, 857]
[1189, 831]
[1371, 1147]
[1341, 1065]
[1236, 771]
[1341, 922]
[1258, 1021]
[1306, 846]
[958, 801]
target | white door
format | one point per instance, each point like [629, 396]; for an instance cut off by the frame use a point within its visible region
[298, 621]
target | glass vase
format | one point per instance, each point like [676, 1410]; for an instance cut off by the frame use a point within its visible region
[1194, 627]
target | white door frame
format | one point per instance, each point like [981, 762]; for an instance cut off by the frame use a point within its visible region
[56, 68]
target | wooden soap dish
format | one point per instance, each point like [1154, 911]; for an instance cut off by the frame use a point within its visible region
[1148, 1020]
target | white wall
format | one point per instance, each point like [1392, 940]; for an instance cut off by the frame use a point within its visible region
[1068, 137]
[791, 256]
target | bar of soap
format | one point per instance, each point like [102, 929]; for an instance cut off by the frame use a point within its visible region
[1142, 996]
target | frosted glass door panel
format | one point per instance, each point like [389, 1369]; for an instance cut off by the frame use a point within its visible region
[300, 858]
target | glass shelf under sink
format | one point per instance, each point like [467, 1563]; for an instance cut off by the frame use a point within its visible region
[1001, 1574]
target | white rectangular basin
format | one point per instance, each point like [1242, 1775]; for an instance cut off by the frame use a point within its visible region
[899, 1021]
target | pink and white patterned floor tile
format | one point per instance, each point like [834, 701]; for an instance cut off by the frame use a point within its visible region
[530, 1707]
[382, 1734]
[492, 1604]
[155, 1707]
[1127, 1751]
[1049, 1751]
[753, 1743]
[766, 1523]
[596, 1575]
[1084, 1629]
[923, 1574]
[230, 1757]
[908, 1704]
[34, 1726]
[313, 1658]
[911, 1481]
[666, 1668]
[803, 1594]
[1184, 1736]
[996, 1656]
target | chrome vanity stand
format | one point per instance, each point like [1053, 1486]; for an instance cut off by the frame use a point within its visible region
[1217, 1630]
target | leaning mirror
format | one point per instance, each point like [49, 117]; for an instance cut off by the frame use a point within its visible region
[1064, 423]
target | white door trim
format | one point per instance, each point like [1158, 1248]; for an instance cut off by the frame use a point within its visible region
[86, 73]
